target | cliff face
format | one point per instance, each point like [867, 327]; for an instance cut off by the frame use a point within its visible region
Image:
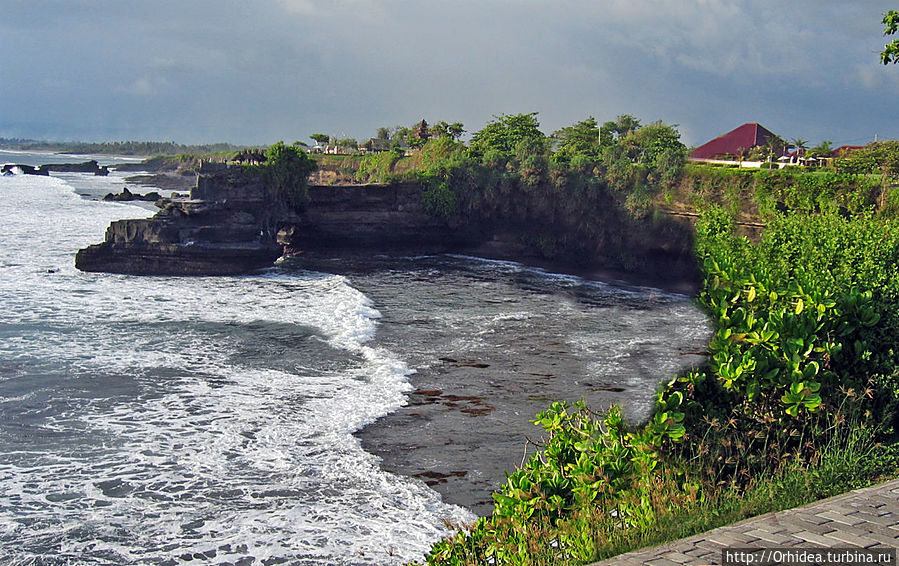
[384, 217]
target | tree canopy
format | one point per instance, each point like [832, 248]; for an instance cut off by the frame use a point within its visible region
[506, 133]
[286, 170]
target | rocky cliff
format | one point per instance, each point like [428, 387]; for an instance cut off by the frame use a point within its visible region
[230, 225]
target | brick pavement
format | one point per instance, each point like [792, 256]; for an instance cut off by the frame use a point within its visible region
[864, 518]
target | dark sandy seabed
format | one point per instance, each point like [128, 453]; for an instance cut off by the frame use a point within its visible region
[494, 343]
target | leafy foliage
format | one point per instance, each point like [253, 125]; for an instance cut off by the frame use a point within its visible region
[377, 167]
[890, 53]
[506, 134]
[286, 170]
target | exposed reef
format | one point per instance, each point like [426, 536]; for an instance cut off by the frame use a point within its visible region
[127, 196]
[86, 167]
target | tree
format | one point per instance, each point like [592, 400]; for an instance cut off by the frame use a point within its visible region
[799, 143]
[890, 53]
[349, 144]
[286, 170]
[320, 139]
[580, 139]
[443, 129]
[623, 125]
[383, 133]
[823, 149]
[657, 138]
[506, 132]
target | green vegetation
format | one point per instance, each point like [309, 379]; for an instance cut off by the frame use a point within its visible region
[760, 193]
[377, 167]
[286, 172]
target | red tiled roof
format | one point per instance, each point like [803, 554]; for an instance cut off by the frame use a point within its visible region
[843, 149]
[744, 137]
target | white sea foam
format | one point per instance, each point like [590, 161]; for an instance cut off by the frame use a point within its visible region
[163, 425]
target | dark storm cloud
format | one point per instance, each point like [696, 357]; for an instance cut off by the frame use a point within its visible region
[255, 72]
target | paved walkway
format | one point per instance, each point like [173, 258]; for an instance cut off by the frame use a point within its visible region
[862, 518]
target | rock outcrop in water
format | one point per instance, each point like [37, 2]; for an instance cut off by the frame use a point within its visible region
[128, 196]
[10, 169]
[226, 226]
[86, 167]
[229, 225]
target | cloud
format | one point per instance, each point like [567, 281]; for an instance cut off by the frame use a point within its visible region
[255, 72]
[146, 86]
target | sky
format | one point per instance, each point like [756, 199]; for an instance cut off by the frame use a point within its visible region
[259, 71]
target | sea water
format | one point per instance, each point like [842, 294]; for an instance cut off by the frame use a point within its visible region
[158, 419]
[167, 420]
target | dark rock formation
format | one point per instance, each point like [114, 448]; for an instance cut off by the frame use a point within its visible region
[387, 218]
[26, 169]
[86, 167]
[230, 224]
[226, 226]
[126, 196]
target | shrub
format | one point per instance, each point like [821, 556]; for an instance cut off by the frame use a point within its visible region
[377, 167]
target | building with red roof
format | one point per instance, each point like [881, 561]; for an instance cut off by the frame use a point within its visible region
[844, 149]
[734, 143]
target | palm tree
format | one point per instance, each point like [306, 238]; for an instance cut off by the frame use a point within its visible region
[823, 149]
[801, 145]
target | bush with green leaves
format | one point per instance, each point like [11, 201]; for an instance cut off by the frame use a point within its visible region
[377, 167]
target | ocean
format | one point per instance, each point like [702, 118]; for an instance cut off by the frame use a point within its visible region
[222, 420]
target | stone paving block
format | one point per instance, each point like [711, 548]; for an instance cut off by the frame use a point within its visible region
[727, 538]
[708, 545]
[884, 520]
[810, 517]
[769, 538]
[799, 523]
[849, 539]
[679, 557]
[815, 538]
[841, 518]
[663, 562]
